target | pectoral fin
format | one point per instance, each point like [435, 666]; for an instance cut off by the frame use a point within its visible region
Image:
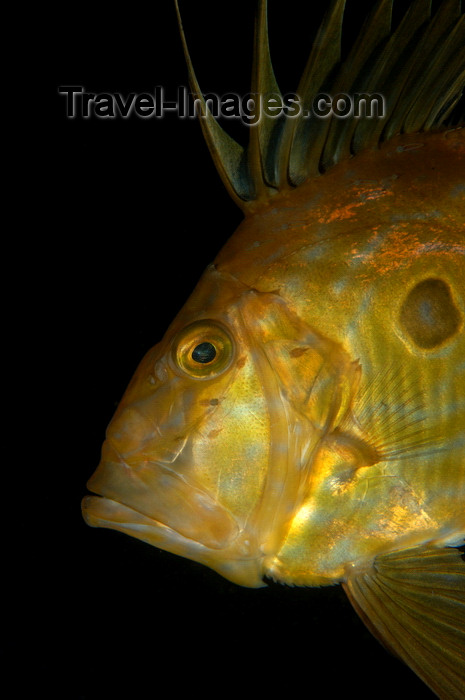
[414, 602]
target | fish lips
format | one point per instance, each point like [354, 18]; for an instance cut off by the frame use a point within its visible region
[104, 512]
[156, 504]
[146, 492]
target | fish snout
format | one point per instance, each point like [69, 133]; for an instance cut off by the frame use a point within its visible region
[128, 431]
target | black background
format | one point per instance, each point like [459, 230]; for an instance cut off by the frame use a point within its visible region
[131, 212]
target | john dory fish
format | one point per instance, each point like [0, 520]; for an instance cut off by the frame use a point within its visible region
[303, 418]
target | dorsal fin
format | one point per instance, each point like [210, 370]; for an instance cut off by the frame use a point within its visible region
[228, 155]
[309, 134]
[418, 68]
[263, 169]
[375, 30]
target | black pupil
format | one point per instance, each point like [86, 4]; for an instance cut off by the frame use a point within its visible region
[205, 352]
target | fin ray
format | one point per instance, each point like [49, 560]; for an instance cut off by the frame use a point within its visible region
[375, 30]
[414, 602]
[228, 156]
[421, 85]
[398, 428]
[263, 135]
[308, 135]
[386, 77]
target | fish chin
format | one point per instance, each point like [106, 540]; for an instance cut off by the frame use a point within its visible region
[99, 511]
[162, 506]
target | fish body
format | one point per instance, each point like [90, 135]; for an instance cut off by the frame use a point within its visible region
[333, 380]
[303, 418]
[381, 270]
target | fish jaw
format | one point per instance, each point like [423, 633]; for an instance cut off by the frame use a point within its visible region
[103, 512]
[151, 502]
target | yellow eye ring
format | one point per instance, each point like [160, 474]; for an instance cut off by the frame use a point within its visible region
[204, 349]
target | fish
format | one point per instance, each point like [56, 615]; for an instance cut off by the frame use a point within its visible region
[303, 418]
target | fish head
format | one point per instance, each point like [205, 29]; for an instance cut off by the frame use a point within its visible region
[205, 455]
[179, 468]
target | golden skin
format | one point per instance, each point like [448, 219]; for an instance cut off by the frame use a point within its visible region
[329, 428]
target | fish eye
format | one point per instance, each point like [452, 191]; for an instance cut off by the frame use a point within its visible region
[203, 350]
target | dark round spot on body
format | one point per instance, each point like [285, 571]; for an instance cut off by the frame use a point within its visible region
[204, 352]
[429, 314]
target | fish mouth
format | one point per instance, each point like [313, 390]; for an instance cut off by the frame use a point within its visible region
[99, 511]
[157, 505]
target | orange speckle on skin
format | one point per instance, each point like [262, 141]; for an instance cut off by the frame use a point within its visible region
[214, 433]
[241, 361]
[345, 212]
